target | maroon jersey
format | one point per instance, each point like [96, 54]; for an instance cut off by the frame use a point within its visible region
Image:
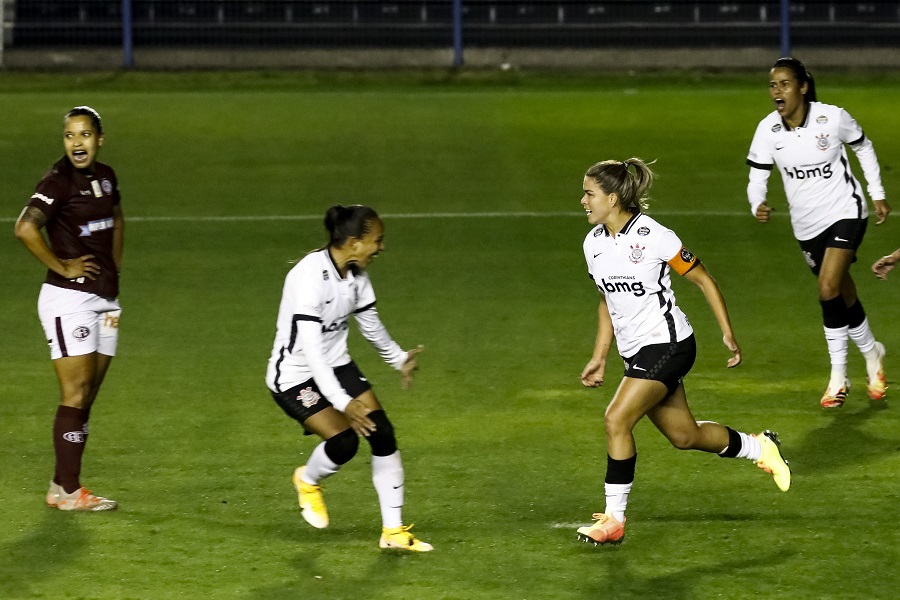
[79, 209]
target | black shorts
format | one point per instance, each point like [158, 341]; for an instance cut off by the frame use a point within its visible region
[666, 363]
[848, 234]
[305, 400]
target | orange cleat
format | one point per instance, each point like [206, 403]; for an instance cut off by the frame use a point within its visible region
[83, 500]
[835, 399]
[53, 494]
[876, 385]
[605, 530]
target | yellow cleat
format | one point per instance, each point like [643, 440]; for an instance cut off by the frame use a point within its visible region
[83, 500]
[401, 539]
[876, 385]
[772, 461]
[310, 499]
[605, 530]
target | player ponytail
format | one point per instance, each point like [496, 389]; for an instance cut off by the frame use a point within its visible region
[348, 222]
[630, 180]
[800, 74]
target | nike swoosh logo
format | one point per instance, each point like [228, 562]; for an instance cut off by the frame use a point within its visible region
[838, 239]
[598, 254]
[637, 368]
[397, 487]
[329, 301]
[779, 146]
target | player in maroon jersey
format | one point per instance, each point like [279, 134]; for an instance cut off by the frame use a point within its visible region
[77, 202]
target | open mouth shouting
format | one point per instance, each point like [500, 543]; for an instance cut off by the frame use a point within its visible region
[80, 157]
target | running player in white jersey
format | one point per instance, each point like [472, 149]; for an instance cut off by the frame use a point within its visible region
[806, 140]
[314, 380]
[78, 203]
[630, 257]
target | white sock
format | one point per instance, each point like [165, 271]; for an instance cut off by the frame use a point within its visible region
[837, 349]
[864, 340]
[750, 447]
[387, 475]
[319, 466]
[617, 499]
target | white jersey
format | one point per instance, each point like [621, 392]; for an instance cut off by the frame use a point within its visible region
[312, 327]
[818, 183]
[632, 271]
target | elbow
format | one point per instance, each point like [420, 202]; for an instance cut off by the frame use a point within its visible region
[20, 231]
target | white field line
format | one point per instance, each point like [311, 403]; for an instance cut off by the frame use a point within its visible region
[571, 526]
[388, 216]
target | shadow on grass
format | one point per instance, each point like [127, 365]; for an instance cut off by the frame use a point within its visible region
[375, 579]
[622, 583]
[40, 554]
[842, 443]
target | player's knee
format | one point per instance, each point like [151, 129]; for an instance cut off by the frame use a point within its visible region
[682, 440]
[342, 447]
[382, 440]
[828, 289]
[615, 424]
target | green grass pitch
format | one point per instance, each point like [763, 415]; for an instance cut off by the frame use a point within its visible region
[504, 450]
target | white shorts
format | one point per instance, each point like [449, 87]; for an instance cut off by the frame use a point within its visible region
[77, 323]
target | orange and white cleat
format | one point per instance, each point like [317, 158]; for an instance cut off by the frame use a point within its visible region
[400, 538]
[772, 461]
[83, 500]
[876, 382]
[53, 494]
[605, 530]
[835, 398]
[312, 505]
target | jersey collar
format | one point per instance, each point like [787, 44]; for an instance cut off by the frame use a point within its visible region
[334, 268]
[631, 222]
[808, 107]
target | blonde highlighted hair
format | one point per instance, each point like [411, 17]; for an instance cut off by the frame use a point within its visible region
[629, 179]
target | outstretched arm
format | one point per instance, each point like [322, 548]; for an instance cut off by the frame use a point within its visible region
[592, 374]
[373, 329]
[701, 277]
[884, 264]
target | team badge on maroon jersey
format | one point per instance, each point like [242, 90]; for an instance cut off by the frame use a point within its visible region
[637, 253]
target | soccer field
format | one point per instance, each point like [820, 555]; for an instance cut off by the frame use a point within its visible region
[478, 178]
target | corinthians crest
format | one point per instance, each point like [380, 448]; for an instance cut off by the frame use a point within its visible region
[637, 253]
[308, 397]
[822, 141]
